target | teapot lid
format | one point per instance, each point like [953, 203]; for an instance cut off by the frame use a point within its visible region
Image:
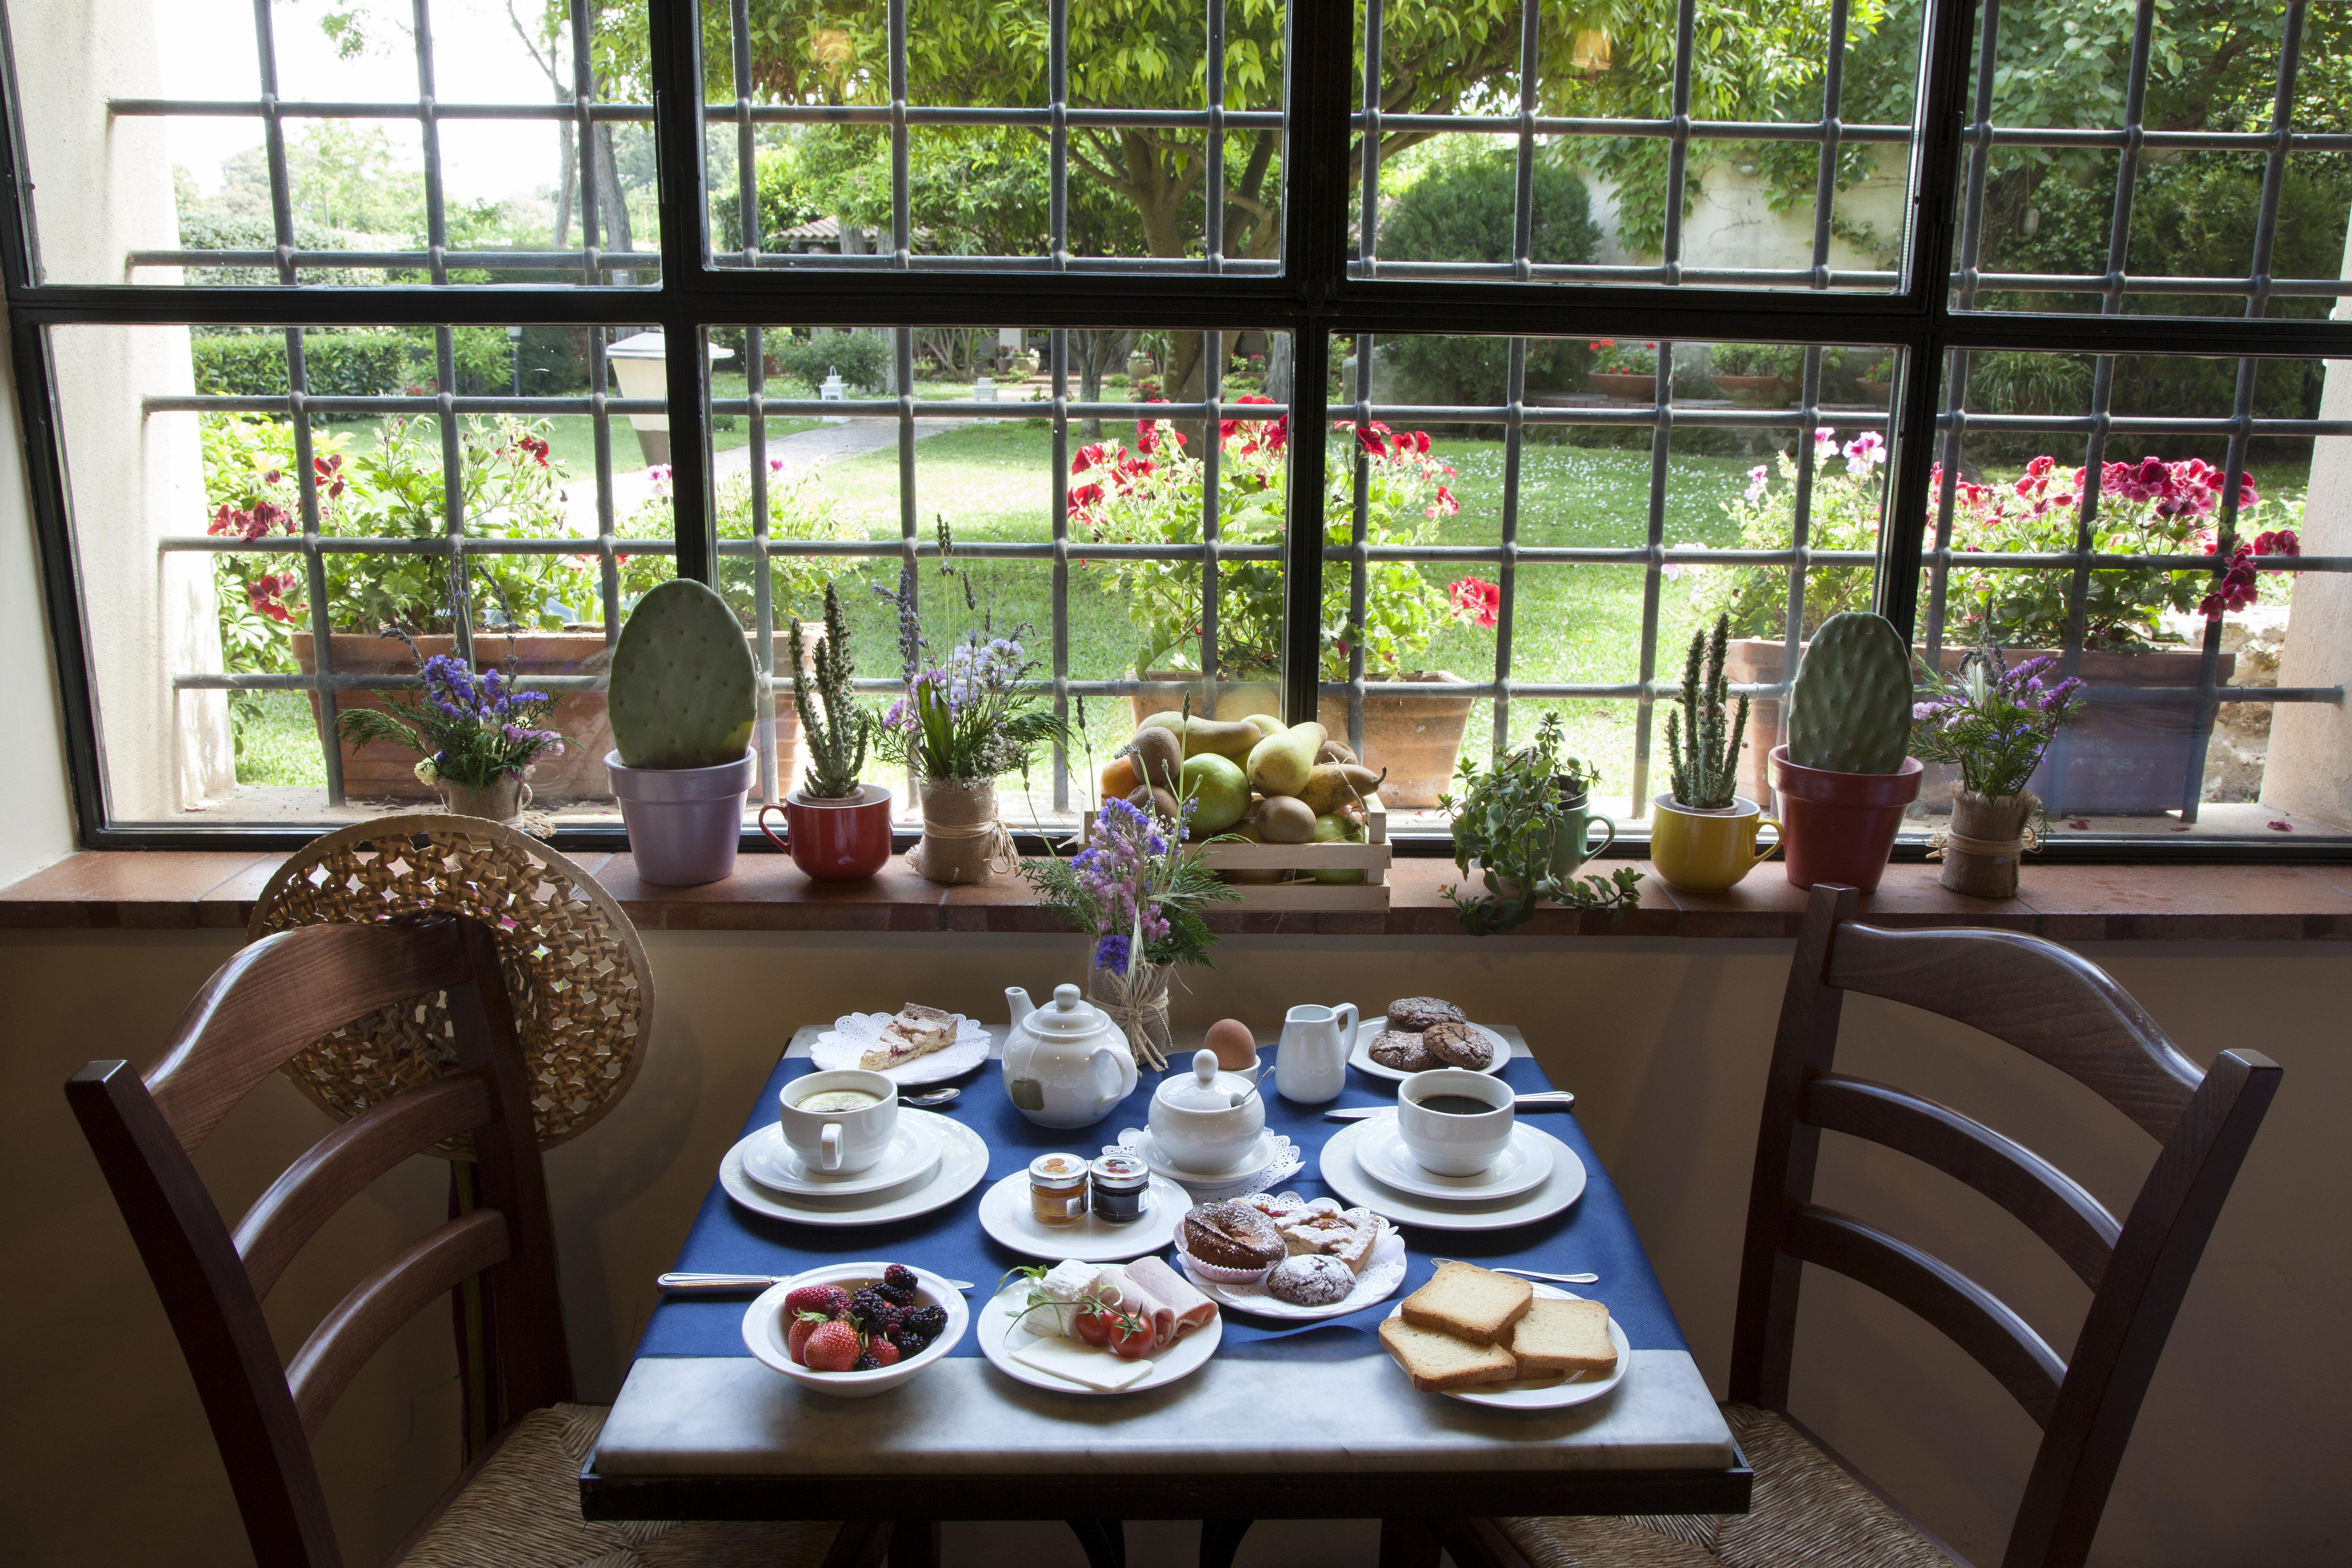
[1205, 1089]
[1067, 1017]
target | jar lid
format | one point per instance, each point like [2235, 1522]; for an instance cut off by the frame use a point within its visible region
[1120, 1170]
[1057, 1170]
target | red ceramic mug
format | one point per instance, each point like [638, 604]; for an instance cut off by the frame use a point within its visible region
[834, 841]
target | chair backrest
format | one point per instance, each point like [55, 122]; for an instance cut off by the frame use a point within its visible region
[255, 1014]
[2064, 1010]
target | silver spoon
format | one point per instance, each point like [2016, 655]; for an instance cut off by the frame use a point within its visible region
[1529, 1273]
[930, 1097]
[694, 1284]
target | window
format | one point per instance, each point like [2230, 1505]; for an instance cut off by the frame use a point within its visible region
[1421, 367]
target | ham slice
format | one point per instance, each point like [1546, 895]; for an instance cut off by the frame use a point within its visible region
[1173, 1294]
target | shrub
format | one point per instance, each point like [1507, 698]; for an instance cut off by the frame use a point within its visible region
[335, 364]
[863, 359]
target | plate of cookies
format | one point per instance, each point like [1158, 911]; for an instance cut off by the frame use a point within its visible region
[1492, 1339]
[1418, 1033]
[1335, 1261]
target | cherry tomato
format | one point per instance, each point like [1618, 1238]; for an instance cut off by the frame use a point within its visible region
[1132, 1337]
[1093, 1327]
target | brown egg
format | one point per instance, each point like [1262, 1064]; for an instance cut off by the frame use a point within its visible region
[1235, 1048]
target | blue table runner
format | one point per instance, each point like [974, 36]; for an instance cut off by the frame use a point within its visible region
[1594, 1234]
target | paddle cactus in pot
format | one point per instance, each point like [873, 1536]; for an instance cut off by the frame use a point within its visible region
[1703, 838]
[1844, 776]
[683, 696]
[836, 826]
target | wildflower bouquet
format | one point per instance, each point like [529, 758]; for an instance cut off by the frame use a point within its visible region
[1992, 721]
[471, 729]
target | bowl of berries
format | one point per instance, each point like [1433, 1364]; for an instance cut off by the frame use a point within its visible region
[851, 1330]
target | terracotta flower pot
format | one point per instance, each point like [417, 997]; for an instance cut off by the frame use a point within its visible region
[1841, 827]
[1754, 391]
[1623, 385]
[844, 840]
[1416, 738]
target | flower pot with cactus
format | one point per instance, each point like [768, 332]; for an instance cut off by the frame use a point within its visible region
[1843, 776]
[683, 696]
[837, 826]
[1703, 838]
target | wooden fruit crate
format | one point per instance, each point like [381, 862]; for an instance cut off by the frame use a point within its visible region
[1372, 857]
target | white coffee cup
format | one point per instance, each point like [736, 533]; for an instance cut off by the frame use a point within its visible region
[840, 1143]
[1454, 1144]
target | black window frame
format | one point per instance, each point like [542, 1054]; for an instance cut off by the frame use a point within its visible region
[1316, 296]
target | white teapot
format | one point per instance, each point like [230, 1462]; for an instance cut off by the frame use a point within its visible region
[1206, 1121]
[1065, 1065]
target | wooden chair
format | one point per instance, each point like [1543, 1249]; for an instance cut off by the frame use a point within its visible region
[519, 1503]
[1810, 1506]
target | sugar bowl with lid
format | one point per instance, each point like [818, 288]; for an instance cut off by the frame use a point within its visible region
[1206, 1121]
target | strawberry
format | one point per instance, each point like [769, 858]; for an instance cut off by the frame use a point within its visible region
[882, 1351]
[825, 1301]
[831, 1347]
[802, 1325]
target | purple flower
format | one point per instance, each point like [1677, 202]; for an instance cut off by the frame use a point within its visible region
[1112, 953]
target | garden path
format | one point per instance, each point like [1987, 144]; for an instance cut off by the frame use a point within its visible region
[801, 450]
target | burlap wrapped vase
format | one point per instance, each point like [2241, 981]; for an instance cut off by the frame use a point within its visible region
[963, 839]
[1138, 1003]
[1987, 839]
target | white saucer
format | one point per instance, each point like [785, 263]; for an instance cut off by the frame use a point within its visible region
[1342, 1173]
[1377, 1283]
[853, 1034]
[1004, 1213]
[992, 1325]
[1273, 1158]
[1521, 1167]
[1373, 1028]
[777, 1165]
[963, 1161]
[1549, 1392]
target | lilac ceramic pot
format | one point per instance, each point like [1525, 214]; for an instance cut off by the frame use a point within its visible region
[684, 822]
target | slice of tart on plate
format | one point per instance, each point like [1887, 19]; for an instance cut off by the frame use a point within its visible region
[913, 1031]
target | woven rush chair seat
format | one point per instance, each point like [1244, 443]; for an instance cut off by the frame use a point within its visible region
[521, 1510]
[1807, 1513]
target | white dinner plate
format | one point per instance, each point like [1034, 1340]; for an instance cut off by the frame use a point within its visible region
[1345, 1176]
[853, 1034]
[1549, 1392]
[963, 1161]
[1377, 1283]
[776, 1164]
[1004, 1213]
[1522, 1166]
[992, 1324]
[1373, 1028]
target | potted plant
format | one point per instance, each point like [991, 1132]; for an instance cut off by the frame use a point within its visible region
[1993, 723]
[1757, 376]
[1152, 495]
[683, 697]
[1703, 835]
[1844, 776]
[837, 826]
[477, 736]
[1625, 372]
[970, 715]
[1524, 826]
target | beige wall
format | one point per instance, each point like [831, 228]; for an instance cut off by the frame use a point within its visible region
[36, 806]
[2240, 1455]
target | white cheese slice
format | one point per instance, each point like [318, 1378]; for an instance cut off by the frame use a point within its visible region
[1065, 1282]
[1078, 1362]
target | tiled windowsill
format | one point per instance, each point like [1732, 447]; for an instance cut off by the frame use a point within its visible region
[165, 890]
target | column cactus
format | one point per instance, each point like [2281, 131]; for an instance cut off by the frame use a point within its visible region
[836, 738]
[1707, 770]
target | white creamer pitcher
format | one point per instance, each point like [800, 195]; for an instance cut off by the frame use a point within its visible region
[1311, 1065]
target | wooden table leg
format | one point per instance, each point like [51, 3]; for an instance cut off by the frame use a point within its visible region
[1221, 1539]
[1407, 1543]
[1105, 1541]
[915, 1543]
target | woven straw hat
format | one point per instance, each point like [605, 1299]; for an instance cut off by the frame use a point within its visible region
[581, 990]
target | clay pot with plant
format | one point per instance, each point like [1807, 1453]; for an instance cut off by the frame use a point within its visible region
[1843, 776]
[477, 736]
[1523, 828]
[1994, 722]
[683, 695]
[836, 826]
[1703, 835]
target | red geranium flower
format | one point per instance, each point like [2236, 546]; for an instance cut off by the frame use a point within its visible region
[1480, 603]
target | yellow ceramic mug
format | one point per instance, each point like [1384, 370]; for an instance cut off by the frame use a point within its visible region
[1707, 851]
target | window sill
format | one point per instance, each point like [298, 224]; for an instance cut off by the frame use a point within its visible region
[187, 891]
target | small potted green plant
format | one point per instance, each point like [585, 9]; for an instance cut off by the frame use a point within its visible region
[1524, 826]
[836, 826]
[1995, 722]
[1757, 376]
[479, 735]
[1627, 373]
[1703, 838]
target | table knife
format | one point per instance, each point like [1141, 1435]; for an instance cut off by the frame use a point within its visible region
[692, 1284]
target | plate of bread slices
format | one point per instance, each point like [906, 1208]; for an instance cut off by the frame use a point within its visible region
[915, 1045]
[1493, 1339]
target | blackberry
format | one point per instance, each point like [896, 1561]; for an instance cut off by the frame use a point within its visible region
[929, 1322]
[909, 1342]
[866, 1363]
[869, 1307]
[895, 1296]
[899, 1278]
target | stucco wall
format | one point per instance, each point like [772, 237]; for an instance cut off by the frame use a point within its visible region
[35, 802]
[2239, 1457]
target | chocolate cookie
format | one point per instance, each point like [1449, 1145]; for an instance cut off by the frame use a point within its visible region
[1458, 1046]
[1416, 1014]
[1230, 1235]
[1311, 1279]
[1403, 1051]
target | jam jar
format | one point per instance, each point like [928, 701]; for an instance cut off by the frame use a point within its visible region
[1118, 1182]
[1058, 1189]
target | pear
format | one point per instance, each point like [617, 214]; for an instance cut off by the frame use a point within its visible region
[1224, 738]
[1333, 828]
[1334, 785]
[1281, 765]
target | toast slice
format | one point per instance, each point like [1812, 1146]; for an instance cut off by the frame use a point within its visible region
[1469, 1302]
[1436, 1361]
[1556, 1338]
